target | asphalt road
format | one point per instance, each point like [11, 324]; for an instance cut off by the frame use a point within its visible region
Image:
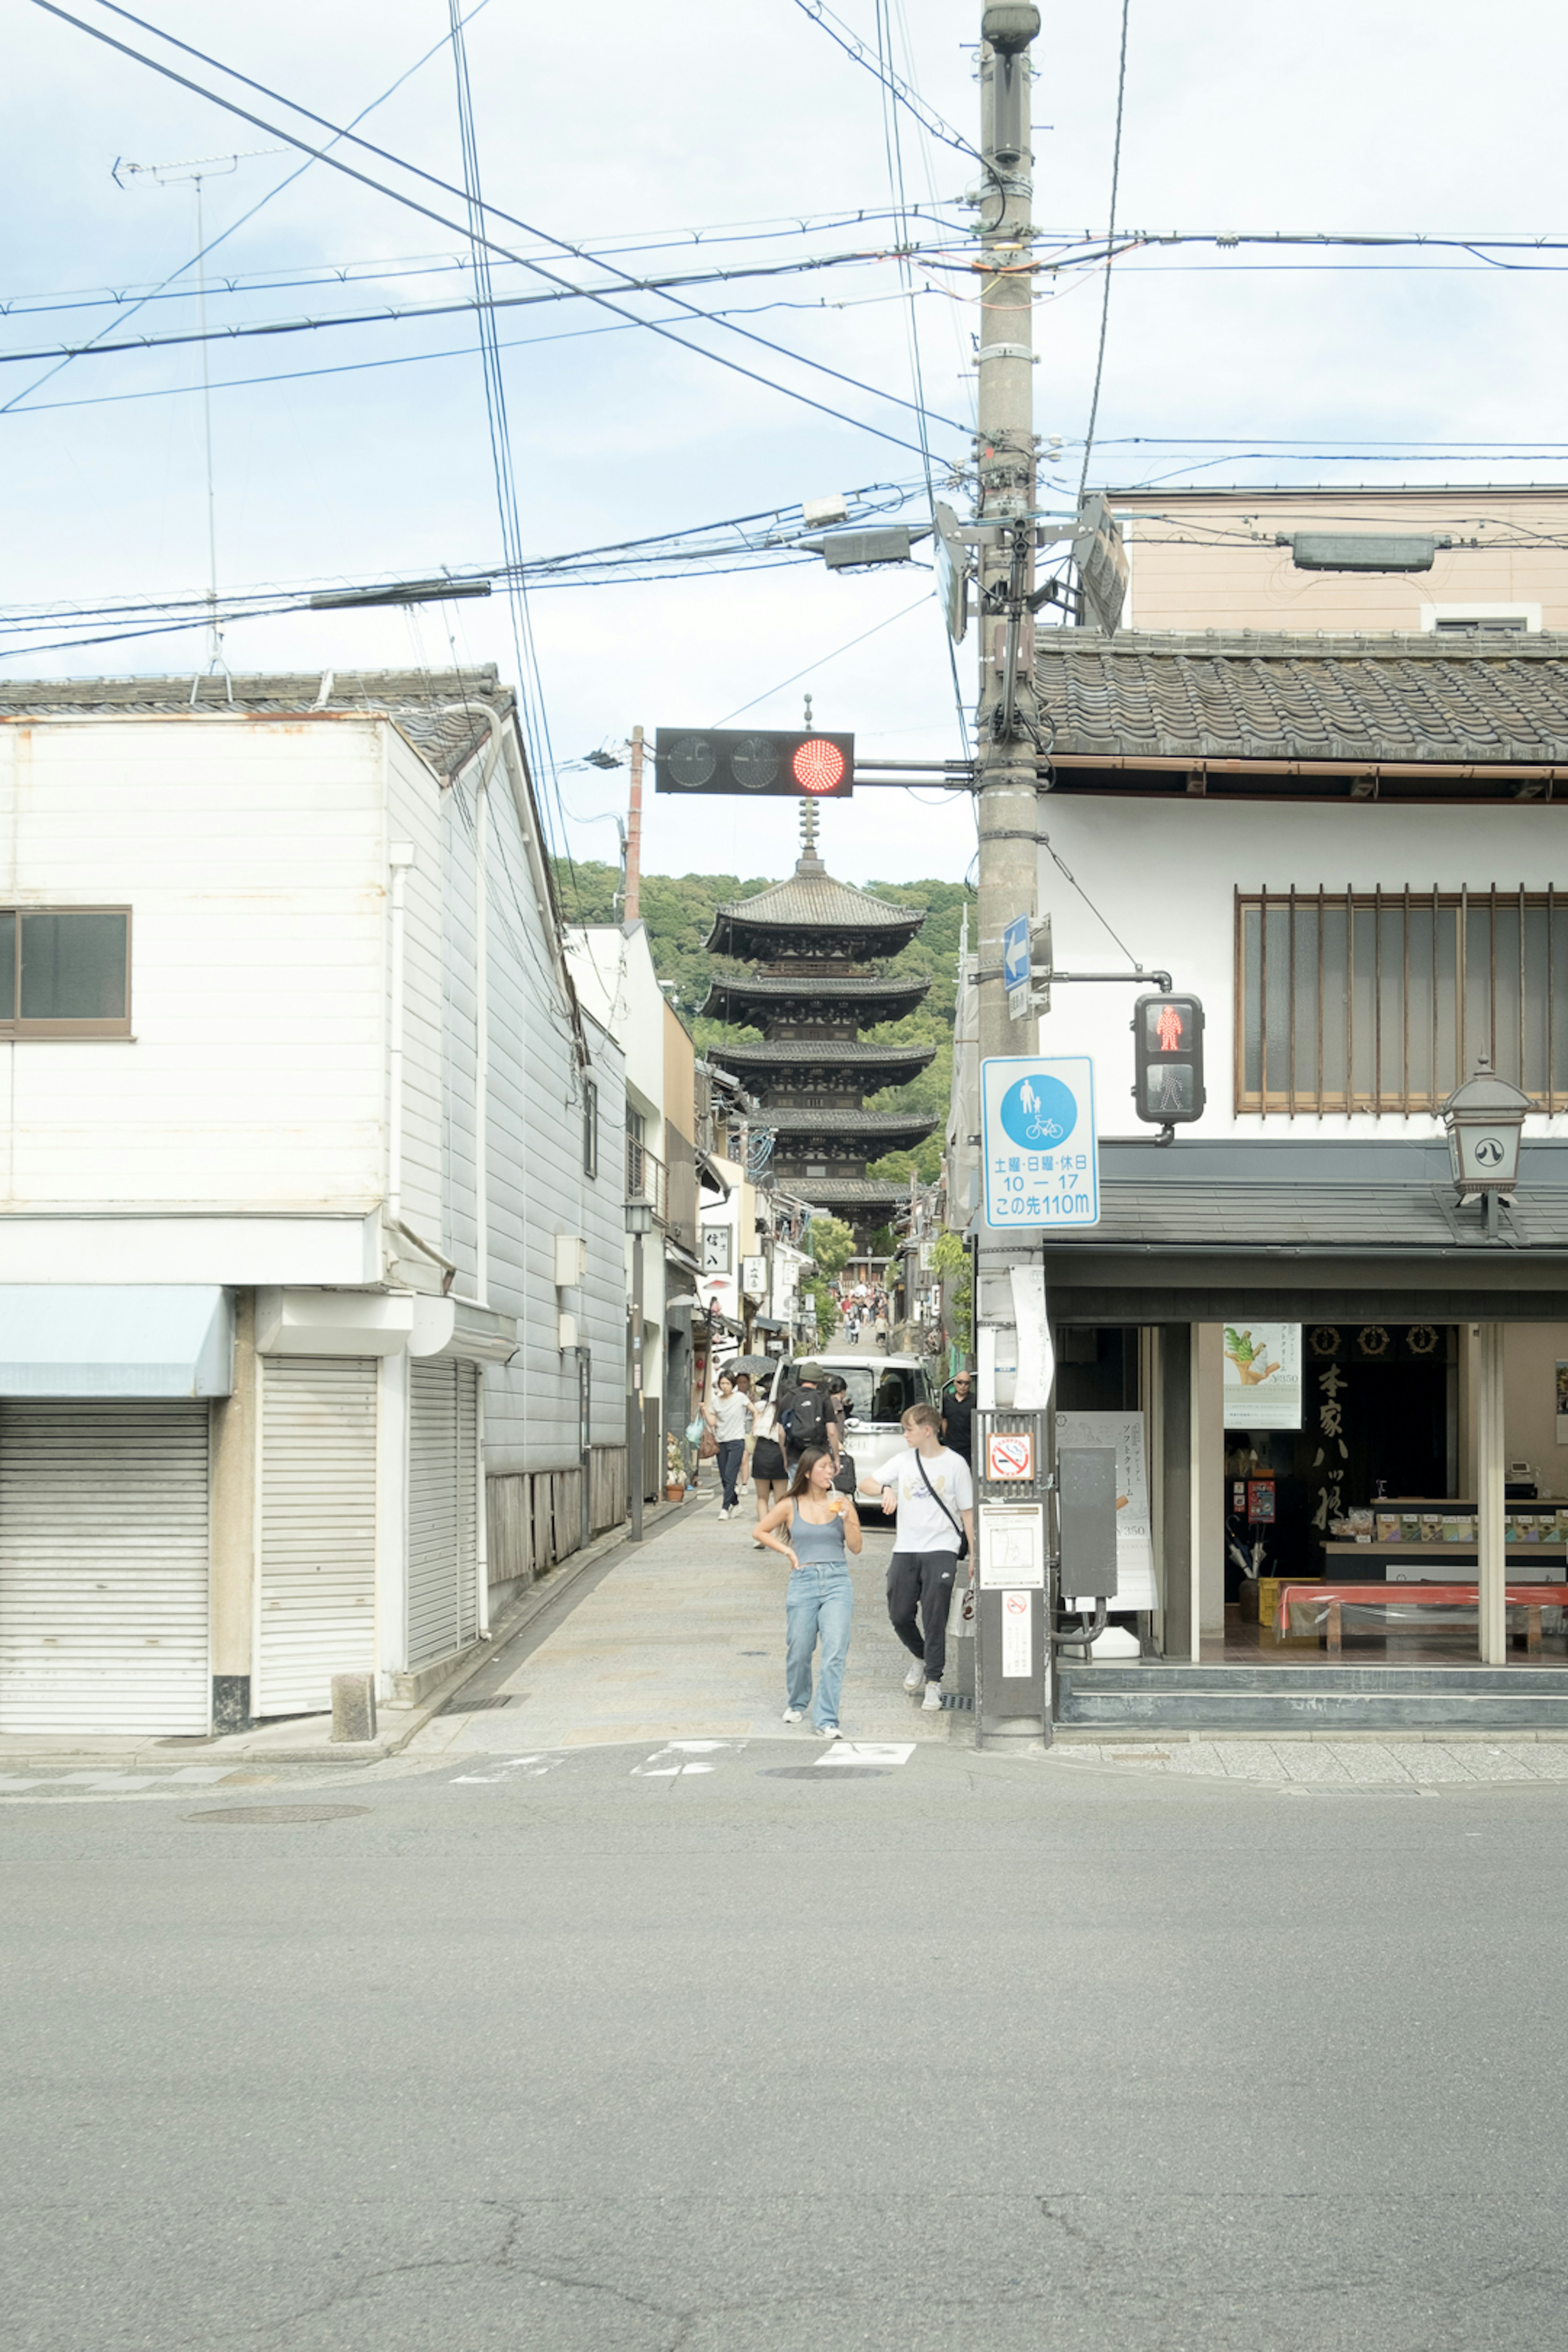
[598, 2054]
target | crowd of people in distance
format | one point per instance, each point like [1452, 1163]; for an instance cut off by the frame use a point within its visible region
[863, 1306]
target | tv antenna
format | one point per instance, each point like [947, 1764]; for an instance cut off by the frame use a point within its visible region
[190, 173]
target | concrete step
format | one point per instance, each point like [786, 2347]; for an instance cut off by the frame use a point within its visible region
[1156, 1696]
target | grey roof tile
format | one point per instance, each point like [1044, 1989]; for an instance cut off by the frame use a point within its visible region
[1260, 696]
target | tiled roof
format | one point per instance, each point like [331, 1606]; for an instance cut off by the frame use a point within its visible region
[783, 1054]
[1259, 697]
[881, 1125]
[811, 899]
[413, 699]
[785, 987]
[850, 1192]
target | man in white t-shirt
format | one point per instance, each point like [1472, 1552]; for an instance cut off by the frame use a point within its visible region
[933, 1492]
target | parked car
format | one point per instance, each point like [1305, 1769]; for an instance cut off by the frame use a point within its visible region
[880, 1391]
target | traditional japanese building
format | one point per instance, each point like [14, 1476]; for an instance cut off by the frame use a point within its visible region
[817, 948]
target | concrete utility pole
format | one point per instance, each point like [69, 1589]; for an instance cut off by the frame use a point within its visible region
[632, 908]
[1006, 452]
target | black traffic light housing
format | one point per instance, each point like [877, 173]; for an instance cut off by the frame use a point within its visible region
[810, 766]
[1168, 1061]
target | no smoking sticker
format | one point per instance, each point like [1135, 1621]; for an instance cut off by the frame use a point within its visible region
[1010, 1454]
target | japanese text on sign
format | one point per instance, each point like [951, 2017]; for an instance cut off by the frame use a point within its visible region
[1041, 1159]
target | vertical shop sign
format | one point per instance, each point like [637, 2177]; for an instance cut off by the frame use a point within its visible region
[1561, 1402]
[1332, 1452]
[1262, 1376]
[1134, 1544]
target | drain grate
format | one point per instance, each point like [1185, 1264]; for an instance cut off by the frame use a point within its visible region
[476, 1706]
[960, 1702]
[816, 1772]
[267, 1815]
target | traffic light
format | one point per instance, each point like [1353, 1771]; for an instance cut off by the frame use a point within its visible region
[798, 767]
[1168, 1059]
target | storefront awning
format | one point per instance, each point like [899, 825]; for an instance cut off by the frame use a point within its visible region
[119, 1339]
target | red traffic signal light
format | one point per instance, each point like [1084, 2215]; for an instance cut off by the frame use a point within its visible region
[723, 759]
[1168, 1060]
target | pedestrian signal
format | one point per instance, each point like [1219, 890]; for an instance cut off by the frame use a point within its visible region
[1168, 1059]
[798, 766]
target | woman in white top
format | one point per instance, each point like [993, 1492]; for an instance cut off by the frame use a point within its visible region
[727, 1417]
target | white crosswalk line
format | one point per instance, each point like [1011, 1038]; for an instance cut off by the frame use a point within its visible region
[868, 1751]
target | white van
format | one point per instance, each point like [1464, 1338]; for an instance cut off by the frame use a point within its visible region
[880, 1391]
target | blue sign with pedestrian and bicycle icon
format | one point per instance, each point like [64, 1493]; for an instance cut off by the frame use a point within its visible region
[1039, 1144]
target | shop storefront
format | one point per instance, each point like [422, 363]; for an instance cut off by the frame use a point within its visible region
[1347, 1406]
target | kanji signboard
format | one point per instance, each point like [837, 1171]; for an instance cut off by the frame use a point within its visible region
[1040, 1154]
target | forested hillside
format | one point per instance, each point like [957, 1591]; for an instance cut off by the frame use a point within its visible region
[678, 910]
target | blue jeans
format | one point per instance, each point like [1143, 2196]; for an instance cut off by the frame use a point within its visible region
[820, 1603]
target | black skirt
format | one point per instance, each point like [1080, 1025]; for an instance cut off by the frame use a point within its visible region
[767, 1459]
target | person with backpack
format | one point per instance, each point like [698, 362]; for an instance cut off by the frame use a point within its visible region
[807, 1419]
[932, 1491]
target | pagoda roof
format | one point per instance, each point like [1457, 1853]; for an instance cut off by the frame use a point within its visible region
[851, 1191]
[890, 1129]
[873, 996]
[813, 900]
[880, 1062]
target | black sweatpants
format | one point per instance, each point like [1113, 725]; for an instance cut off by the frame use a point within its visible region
[923, 1580]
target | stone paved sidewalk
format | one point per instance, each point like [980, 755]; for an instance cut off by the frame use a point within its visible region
[684, 1639]
[1327, 1763]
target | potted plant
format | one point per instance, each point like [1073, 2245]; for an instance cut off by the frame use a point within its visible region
[674, 1470]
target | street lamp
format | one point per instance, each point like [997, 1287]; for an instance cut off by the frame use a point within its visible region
[638, 1222]
[1484, 1118]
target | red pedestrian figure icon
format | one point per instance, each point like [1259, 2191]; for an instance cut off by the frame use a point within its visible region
[1168, 1029]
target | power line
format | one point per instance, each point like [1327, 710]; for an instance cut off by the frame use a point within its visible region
[852, 46]
[337, 164]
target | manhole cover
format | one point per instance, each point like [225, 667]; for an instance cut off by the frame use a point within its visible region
[816, 1772]
[270, 1813]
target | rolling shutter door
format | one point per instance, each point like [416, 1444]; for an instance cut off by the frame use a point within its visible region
[103, 1567]
[443, 1429]
[317, 1528]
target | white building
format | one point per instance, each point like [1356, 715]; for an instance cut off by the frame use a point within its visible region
[310, 1196]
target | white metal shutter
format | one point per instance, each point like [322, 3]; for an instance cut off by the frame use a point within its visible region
[442, 1439]
[103, 1567]
[317, 1528]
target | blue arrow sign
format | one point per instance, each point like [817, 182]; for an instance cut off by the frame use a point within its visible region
[1015, 953]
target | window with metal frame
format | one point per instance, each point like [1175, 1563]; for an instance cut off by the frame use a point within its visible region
[1383, 1001]
[590, 1128]
[65, 971]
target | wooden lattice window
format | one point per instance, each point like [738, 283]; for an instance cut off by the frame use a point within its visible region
[1384, 1000]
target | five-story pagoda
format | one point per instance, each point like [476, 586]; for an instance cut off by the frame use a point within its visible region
[815, 945]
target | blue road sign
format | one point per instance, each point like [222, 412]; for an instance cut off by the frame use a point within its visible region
[1039, 1148]
[1015, 953]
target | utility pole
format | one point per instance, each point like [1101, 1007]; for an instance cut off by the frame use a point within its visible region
[1005, 454]
[633, 900]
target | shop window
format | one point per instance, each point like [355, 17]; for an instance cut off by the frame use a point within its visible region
[1384, 1000]
[65, 971]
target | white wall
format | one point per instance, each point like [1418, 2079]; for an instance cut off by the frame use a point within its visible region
[252, 853]
[1164, 873]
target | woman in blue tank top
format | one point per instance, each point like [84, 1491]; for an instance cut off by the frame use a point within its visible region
[813, 1528]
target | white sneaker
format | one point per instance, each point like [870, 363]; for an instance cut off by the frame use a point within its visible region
[795, 1714]
[932, 1703]
[916, 1676]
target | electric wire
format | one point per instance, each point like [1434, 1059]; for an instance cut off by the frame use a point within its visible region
[337, 164]
[822, 661]
[853, 47]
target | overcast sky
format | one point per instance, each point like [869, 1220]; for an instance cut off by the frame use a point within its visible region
[1358, 114]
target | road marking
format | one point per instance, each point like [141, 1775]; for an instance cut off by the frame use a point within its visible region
[656, 1767]
[868, 1751]
[516, 1768]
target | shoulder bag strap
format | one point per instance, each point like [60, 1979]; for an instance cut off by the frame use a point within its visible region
[936, 1498]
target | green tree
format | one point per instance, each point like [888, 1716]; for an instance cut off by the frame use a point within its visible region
[831, 1243]
[956, 1269]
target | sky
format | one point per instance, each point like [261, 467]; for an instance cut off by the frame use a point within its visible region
[694, 137]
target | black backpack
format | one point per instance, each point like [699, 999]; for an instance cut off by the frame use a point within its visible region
[806, 1420]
